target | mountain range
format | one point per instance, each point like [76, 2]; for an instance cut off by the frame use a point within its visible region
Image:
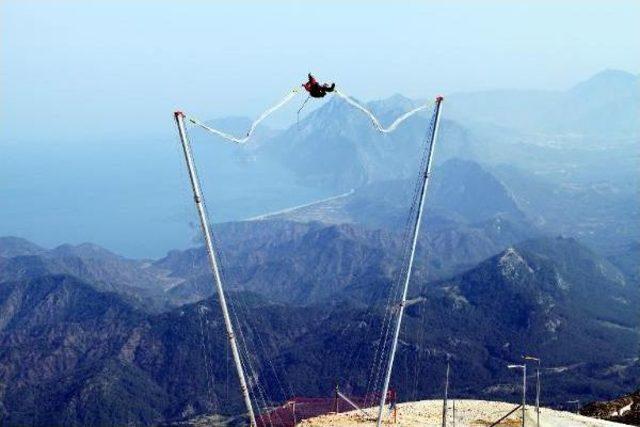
[118, 194]
[529, 245]
[625, 409]
[73, 352]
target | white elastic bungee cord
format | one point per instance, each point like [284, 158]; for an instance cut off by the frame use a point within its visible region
[254, 125]
[373, 118]
[289, 97]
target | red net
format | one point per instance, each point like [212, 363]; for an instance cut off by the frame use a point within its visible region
[301, 408]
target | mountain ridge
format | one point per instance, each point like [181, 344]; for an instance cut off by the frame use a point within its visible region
[102, 337]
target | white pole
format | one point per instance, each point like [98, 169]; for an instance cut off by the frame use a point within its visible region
[444, 401]
[454, 413]
[206, 231]
[423, 192]
[539, 362]
[524, 392]
[538, 395]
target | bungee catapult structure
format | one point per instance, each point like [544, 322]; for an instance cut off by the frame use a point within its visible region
[315, 90]
[399, 290]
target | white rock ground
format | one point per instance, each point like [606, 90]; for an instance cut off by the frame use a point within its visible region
[469, 413]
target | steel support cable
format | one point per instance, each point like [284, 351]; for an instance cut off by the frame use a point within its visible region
[242, 305]
[253, 348]
[506, 416]
[384, 331]
[422, 308]
[395, 289]
[256, 391]
[420, 335]
[356, 354]
[204, 207]
[207, 360]
[432, 136]
[382, 341]
[254, 386]
[371, 310]
[388, 323]
[409, 229]
[385, 328]
[201, 313]
[197, 177]
[353, 404]
[259, 394]
[380, 351]
[237, 304]
[258, 345]
[275, 372]
[292, 94]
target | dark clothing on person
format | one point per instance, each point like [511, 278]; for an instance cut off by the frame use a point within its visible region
[316, 90]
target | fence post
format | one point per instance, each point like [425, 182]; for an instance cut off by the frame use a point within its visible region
[293, 410]
[336, 399]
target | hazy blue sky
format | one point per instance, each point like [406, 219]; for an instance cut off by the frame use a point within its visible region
[74, 70]
[88, 148]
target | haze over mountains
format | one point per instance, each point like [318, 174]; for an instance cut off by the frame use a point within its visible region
[139, 187]
[530, 245]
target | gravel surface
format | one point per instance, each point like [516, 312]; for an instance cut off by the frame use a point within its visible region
[469, 413]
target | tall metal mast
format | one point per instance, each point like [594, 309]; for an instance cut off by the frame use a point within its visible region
[536, 359]
[453, 423]
[206, 231]
[446, 396]
[538, 395]
[416, 229]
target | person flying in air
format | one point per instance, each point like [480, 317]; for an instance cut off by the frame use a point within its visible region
[315, 89]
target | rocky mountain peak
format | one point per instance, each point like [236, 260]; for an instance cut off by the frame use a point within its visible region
[512, 265]
[609, 82]
[11, 246]
[83, 250]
